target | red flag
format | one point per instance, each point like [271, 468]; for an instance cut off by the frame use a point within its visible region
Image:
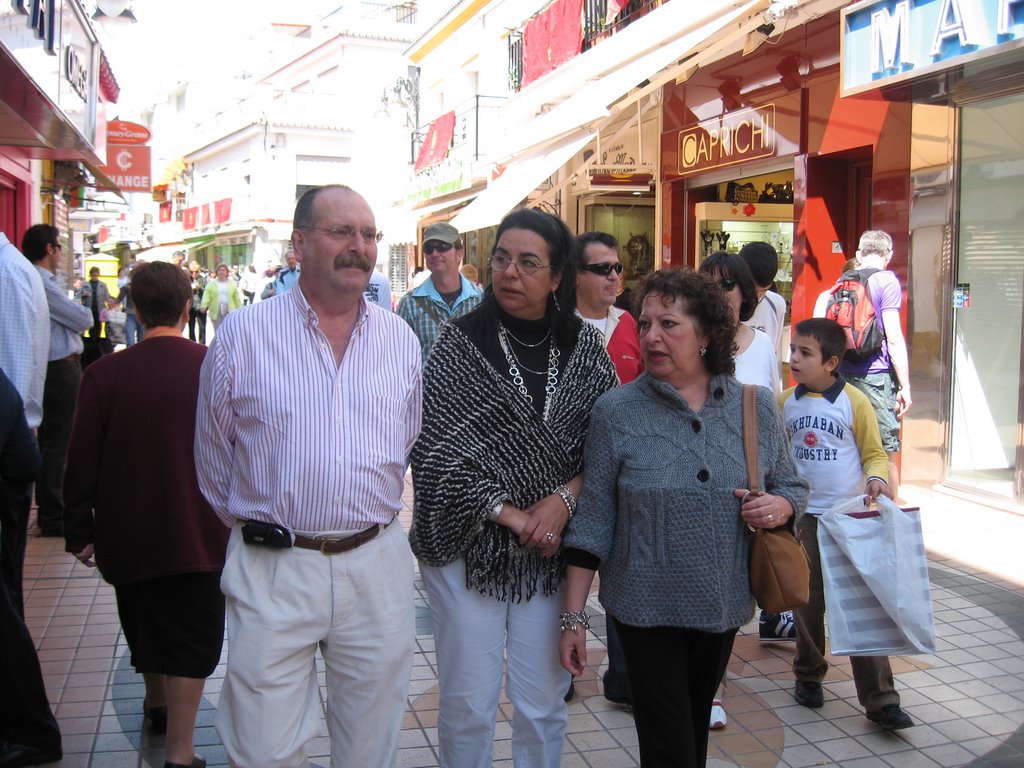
[189, 218]
[205, 215]
[552, 38]
[438, 140]
[222, 210]
[165, 212]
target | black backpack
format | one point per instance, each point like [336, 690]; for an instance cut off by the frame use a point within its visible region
[850, 305]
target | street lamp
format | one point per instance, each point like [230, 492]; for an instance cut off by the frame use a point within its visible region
[406, 91]
[116, 12]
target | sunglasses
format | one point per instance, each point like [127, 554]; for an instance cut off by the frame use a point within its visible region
[439, 247]
[726, 284]
[602, 269]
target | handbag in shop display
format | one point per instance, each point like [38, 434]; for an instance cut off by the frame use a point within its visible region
[780, 572]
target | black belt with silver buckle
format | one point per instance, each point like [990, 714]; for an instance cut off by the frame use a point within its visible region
[337, 546]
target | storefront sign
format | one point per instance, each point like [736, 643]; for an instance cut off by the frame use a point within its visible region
[53, 42]
[124, 132]
[129, 168]
[735, 137]
[888, 41]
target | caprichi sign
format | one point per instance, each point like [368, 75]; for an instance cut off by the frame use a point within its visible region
[736, 137]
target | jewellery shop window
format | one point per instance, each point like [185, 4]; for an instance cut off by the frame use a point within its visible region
[755, 209]
[632, 224]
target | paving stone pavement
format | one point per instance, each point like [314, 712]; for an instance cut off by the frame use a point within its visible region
[967, 699]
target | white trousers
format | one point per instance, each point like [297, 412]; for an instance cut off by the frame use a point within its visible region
[357, 607]
[472, 636]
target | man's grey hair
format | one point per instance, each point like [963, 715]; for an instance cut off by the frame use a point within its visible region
[875, 241]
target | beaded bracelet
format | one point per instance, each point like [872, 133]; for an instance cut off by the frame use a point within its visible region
[568, 498]
[573, 619]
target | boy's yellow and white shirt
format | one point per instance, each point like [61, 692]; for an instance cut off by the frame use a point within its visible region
[834, 439]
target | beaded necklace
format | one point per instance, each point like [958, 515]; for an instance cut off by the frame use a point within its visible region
[517, 377]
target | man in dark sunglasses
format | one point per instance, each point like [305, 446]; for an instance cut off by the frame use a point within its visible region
[443, 296]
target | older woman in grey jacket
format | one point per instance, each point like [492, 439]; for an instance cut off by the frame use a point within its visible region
[664, 514]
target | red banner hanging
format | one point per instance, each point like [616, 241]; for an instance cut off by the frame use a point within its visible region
[204, 215]
[552, 38]
[189, 218]
[165, 212]
[222, 210]
[438, 140]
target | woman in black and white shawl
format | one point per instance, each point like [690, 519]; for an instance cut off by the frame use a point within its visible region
[497, 469]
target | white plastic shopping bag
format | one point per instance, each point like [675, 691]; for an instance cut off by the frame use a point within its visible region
[875, 574]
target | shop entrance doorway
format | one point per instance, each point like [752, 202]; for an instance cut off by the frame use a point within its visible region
[986, 446]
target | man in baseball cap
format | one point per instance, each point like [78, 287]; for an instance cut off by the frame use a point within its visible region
[446, 294]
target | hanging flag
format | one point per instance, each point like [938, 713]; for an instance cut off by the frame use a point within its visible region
[552, 38]
[437, 142]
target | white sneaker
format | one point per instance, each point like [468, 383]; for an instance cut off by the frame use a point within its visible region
[718, 718]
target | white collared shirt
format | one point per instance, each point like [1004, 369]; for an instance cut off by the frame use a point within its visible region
[286, 435]
[25, 319]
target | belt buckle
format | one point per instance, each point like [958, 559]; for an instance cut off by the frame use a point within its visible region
[323, 548]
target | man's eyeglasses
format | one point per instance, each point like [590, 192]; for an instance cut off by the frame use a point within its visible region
[439, 247]
[602, 269]
[348, 232]
[500, 262]
[726, 284]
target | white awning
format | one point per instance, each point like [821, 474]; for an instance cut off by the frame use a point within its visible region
[519, 180]
[592, 101]
[165, 252]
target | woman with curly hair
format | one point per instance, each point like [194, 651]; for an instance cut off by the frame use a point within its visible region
[507, 395]
[665, 510]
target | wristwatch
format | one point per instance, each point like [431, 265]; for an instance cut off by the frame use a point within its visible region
[495, 512]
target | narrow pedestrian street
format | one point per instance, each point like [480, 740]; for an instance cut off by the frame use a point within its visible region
[967, 699]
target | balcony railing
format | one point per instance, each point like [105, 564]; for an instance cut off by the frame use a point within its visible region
[595, 28]
[476, 120]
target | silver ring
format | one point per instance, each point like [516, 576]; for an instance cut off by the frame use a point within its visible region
[770, 518]
[549, 536]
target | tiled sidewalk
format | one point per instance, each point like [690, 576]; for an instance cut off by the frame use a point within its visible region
[967, 699]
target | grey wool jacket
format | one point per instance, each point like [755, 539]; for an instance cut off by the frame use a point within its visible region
[658, 508]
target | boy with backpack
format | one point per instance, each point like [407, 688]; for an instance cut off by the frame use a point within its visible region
[866, 302]
[837, 450]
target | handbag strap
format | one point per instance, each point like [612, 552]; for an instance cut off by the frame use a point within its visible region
[750, 438]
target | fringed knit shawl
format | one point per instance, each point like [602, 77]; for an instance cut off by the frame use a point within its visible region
[482, 444]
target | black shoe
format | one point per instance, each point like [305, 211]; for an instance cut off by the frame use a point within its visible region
[891, 718]
[197, 762]
[157, 717]
[571, 692]
[15, 755]
[614, 692]
[809, 694]
[773, 627]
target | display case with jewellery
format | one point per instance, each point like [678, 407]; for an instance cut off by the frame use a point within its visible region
[728, 227]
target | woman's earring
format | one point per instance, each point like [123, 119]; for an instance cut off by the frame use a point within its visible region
[558, 307]
[703, 351]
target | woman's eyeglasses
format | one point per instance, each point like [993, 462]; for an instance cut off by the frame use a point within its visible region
[501, 262]
[602, 269]
[439, 247]
[726, 284]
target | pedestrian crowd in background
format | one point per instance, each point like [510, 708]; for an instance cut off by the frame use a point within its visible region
[552, 436]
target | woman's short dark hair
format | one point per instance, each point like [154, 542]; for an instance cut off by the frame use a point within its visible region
[562, 247]
[729, 266]
[828, 333]
[160, 291]
[704, 302]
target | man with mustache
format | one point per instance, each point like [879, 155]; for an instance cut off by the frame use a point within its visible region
[308, 406]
